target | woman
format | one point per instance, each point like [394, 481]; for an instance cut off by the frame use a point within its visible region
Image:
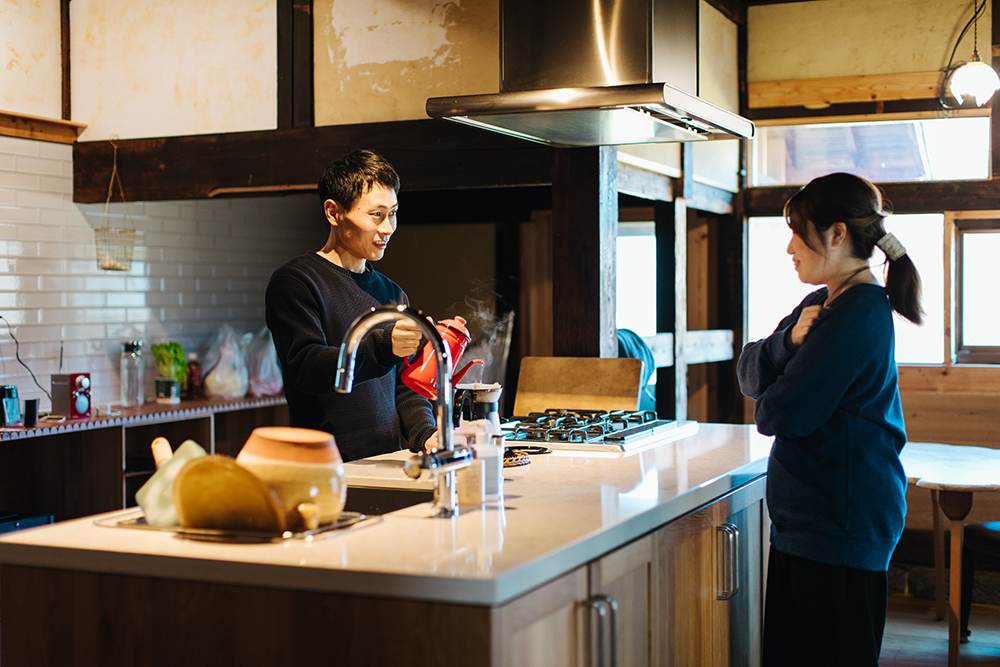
[825, 386]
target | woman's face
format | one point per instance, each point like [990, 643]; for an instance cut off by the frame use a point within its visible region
[810, 264]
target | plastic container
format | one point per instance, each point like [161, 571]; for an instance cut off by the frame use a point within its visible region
[133, 385]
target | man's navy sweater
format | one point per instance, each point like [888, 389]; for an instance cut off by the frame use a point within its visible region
[310, 303]
[835, 485]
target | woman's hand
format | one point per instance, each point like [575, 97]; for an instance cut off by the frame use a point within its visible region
[405, 338]
[806, 319]
[431, 444]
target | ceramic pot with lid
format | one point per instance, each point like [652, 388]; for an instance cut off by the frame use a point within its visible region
[304, 469]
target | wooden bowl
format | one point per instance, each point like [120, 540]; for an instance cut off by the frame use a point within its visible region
[215, 492]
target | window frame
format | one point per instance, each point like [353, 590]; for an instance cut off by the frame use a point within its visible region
[972, 222]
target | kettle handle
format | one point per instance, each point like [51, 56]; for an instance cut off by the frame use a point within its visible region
[460, 374]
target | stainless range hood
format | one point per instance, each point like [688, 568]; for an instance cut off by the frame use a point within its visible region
[597, 73]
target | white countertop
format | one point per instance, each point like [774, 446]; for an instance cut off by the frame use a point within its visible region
[558, 513]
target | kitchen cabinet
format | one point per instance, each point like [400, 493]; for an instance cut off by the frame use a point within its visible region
[573, 562]
[690, 593]
[710, 566]
[80, 467]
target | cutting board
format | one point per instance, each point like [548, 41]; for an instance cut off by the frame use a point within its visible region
[577, 383]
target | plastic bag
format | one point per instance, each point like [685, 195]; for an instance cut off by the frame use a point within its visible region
[225, 366]
[262, 364]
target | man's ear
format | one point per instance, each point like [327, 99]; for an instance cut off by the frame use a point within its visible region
[332, 210]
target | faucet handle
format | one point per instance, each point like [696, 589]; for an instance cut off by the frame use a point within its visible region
[438, 462]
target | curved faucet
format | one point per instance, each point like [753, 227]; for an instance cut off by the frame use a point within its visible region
[447, 460]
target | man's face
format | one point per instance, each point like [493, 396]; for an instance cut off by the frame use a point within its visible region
[363, 231]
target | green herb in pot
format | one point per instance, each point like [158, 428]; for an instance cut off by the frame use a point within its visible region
[170, 360]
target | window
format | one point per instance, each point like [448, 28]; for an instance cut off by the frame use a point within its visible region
[774, 289]
[977, 272]
[937, 149]
[636, 290]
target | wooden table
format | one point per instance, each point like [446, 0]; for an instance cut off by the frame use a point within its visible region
[953, 473]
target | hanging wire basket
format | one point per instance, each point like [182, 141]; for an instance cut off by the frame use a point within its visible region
[115, 245]
[114, 248]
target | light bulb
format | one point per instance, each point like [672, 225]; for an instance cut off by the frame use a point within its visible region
[975, 79]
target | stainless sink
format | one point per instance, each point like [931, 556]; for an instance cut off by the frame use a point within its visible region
[377, 500]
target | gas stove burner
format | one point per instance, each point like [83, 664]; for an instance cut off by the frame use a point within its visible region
[562, 427]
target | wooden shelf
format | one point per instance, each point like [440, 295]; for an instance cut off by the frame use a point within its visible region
[26, 126]
[81, 467]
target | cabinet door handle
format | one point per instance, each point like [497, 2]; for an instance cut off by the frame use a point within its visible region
[732, 583]
[607, 610]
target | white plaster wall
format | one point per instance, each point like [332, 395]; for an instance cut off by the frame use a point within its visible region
[144, 69]
[379, 60]
[827, 38]
[31, 59]
[197, 264]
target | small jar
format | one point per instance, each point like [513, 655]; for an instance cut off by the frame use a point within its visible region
[192, 383]
[133, 374]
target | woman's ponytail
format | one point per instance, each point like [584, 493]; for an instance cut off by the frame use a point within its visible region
[902, 286]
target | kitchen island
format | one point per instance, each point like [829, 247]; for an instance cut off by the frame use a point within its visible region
[655, 554]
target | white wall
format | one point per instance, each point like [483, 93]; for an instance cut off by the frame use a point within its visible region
[31, 59]
[197, 264]
[151, 69]
[805, 40]
[379, 60]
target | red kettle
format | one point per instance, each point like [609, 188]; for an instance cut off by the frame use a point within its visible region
[421, 375]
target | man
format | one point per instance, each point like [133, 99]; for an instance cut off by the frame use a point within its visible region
[312, 300]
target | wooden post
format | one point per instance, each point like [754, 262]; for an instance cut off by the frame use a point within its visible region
[584, 229]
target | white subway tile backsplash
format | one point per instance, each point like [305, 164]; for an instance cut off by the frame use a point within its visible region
[196, 265]
[19, 146]
[34, 198]
[62, 152]
[35, 165]
[37, 265]
[16, 214]
[57, 184]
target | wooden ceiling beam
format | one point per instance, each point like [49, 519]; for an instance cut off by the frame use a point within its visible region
[918, 197]
[428, 154]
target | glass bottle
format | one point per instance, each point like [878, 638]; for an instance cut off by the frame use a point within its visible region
[133, 374]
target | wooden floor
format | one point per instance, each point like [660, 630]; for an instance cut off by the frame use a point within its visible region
[913, 637]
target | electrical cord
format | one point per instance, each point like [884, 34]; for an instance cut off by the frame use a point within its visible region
[17, 356]
[976, 14]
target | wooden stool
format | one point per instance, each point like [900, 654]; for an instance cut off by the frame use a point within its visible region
[980, 538]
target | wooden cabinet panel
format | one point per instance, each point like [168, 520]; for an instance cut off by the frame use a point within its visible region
[547, 626]
[685, 575]
[739, 577]
[626, 576]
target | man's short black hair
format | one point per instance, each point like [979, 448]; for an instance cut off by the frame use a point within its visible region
[349, 177]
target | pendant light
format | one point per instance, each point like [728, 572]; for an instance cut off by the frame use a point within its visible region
[975, 79]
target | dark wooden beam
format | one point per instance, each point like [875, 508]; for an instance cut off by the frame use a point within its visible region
[431, 154]
[584, 227]
[995, 103]
[67, 106]
[295, 63]
[922, 197]
[670, 219]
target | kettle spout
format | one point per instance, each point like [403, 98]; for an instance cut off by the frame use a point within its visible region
[458, 376]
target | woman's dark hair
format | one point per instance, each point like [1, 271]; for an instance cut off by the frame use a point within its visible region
[858, 204]
[352, 175]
